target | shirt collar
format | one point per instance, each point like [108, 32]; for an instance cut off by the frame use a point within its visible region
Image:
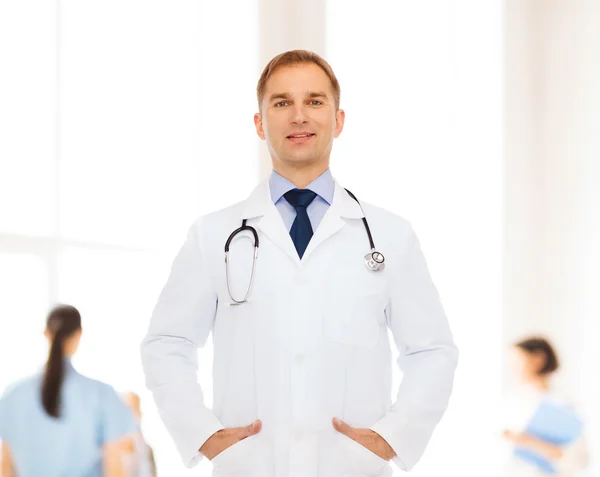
[323, 186]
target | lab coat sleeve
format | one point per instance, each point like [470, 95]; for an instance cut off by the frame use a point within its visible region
[427, 358]
[180, 324]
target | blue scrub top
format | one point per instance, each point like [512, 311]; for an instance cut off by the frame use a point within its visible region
[92, 414]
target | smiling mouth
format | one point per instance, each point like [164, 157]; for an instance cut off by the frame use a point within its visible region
[298, 138]
[300, 135]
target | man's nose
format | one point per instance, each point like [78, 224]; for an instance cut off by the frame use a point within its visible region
[299, 115]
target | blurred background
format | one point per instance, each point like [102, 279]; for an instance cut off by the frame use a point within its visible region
[121, 121]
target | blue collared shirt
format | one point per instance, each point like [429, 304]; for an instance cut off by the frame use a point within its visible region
[323, 186]
[92, 414]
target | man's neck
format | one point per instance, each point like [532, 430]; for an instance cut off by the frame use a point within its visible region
[302, 176]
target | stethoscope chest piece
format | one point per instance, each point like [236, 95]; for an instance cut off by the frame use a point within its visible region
[375, 261]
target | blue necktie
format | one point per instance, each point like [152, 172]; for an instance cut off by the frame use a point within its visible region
[301, 230]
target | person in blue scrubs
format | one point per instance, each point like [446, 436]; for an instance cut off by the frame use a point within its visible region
[59, 423]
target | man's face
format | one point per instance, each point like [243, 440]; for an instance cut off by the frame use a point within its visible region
[299, 119]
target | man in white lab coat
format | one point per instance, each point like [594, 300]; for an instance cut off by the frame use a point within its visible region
[303, 367]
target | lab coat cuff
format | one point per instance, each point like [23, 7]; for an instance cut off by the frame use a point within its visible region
[194, 456]
[390, 429]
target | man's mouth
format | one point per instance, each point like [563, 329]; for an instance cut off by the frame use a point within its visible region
[300, 137]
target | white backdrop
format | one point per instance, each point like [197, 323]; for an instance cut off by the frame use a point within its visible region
[120, 121]
[553, 204]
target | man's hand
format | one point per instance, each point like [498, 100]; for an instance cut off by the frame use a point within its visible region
[225, 438]
[366, 438]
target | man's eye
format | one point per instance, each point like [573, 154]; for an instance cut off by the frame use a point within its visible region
[315, 102]
[280, 104]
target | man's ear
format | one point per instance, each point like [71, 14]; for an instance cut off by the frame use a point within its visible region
[340, 117]
[258, 124]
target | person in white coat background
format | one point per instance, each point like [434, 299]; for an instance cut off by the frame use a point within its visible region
[302, 367]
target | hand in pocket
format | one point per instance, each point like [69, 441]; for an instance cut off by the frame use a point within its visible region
[225, 438]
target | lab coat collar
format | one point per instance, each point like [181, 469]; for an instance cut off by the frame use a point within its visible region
[260, 205]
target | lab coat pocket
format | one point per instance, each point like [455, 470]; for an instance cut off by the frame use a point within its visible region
[249, 457]
[355, 319]
[362, 461]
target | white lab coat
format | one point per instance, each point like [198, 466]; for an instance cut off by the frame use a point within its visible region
[310, 344]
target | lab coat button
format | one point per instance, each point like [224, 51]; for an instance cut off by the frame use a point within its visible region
[299, 358]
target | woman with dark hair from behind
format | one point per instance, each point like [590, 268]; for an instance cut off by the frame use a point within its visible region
[59, 423]
[534, 362]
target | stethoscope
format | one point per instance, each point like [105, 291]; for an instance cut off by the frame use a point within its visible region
[374, 260]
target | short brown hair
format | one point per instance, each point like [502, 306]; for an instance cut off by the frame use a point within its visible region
[296, 57]
[537, 344]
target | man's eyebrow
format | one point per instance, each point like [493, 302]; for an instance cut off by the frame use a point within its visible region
[310, 94]
[279, 96]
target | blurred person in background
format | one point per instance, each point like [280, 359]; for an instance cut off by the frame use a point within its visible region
[139, 459]
[59, 423]
[534, 362]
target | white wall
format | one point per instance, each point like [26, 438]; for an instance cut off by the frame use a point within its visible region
[570, 120]
[523, 184]
[440, 157]
[553, 204]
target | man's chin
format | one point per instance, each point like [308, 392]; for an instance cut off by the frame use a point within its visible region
[300, 160]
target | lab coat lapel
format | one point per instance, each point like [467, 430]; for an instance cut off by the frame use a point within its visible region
[272, 226]
[342, 206]
[270, 223]
[260, 205]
